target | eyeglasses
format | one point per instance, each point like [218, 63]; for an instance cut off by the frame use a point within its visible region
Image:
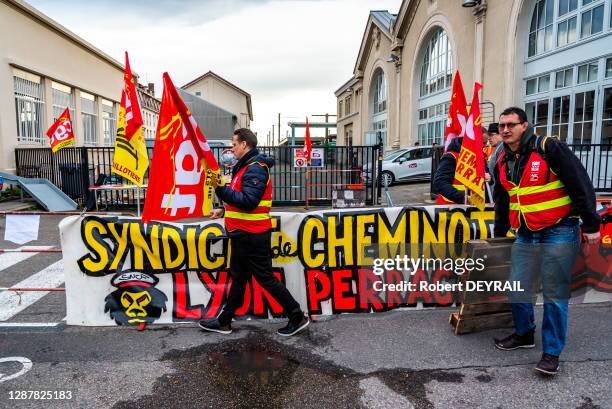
[509, 125]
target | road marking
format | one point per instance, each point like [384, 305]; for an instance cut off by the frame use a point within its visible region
[50, 277]
[26, 365]
[28, 324]
[10, 259]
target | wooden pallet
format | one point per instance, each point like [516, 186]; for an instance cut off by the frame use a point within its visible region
[483, 311]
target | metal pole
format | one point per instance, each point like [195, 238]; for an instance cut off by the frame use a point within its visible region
[279, 127]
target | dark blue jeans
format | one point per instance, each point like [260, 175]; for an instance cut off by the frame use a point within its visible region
[550, 255]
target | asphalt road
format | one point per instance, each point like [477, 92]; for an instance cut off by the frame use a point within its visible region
[398, 359]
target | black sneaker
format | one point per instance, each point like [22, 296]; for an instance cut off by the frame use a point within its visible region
[213, 325]
[293, 327]
[515, 341]
[548, 365]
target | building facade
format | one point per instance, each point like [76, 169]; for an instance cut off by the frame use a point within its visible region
[149, 106]
[222, 93]
[45, 68]
[552, 57]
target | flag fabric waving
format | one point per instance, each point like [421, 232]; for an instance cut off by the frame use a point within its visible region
[458, 106]
[130, 159]
[470, 168]
[184, 171]
[129, 99]
[60, 133]
[307, 144]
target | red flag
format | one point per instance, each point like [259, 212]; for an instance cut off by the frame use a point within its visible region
[183, 166]
[129, 100]
[458, 106]
[470, 169]
[60, 133]
[307, 143]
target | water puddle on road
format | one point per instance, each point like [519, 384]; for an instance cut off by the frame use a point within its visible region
[252, 372]
[260, 372]
[256, 373]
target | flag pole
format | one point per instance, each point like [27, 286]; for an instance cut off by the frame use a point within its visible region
[307, 185]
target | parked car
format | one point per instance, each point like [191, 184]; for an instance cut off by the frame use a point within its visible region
[406, 164]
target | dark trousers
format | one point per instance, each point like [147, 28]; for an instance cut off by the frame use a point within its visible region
[251, 256]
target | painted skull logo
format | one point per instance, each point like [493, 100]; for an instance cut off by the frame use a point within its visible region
[136, 299]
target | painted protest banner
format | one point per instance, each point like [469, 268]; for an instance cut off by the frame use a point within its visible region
[121, 271]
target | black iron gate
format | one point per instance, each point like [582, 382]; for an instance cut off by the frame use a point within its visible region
[73, 170]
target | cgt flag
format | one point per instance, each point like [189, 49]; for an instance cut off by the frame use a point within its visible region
[307, 144]
[458, 106]
[470, 169]
[60, 133]
[184, 171]
[130, 159]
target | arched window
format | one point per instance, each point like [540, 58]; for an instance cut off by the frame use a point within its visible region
[437, 64]
[559, 23]
[434, 87]
[378, 109]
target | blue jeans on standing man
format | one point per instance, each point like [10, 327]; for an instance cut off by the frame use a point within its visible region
[549, 254]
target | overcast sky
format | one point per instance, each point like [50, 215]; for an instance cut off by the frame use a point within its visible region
[289, 55]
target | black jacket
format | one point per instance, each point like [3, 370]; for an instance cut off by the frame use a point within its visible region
[564, 163]
[445, 173]
[254, 181]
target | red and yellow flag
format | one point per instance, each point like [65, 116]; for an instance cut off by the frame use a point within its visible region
[307, 144]
[184, 171]
[60, 133]
[470, 168]
[130, 159]
[458, 106]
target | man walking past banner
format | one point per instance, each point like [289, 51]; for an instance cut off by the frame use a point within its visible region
[130, 159]
[248, 200]
[541, 191]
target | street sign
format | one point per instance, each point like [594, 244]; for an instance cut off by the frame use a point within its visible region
[317, 158]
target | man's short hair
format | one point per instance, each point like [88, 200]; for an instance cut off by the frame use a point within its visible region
[246, 135]
[515, 110]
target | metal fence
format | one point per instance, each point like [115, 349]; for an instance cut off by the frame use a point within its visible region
[73, 170]
[596, 159]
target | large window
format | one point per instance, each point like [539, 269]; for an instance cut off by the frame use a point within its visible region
[584, 110]
[571, 101]
[62, 98]
[434, 87]
[432, 121]
[606, 131]
[437, 64]
[378, 104]
[380, 93]
[537, 113]
[29, 107]
[89, 113]
[567, 21]
[109, 122]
